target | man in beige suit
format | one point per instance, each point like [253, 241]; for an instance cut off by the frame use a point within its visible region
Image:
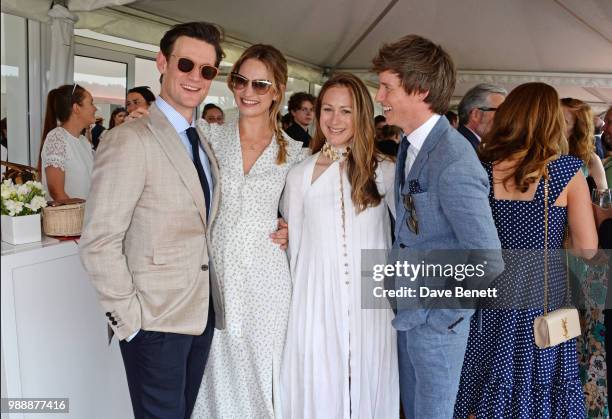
[144, 244]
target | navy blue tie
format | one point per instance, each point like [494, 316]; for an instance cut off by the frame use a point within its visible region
[194, 140]
[401, 160]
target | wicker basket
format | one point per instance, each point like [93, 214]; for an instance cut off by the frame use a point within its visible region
[63, 219]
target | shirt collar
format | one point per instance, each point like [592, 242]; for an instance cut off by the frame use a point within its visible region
[474, 132]
[178, 121]
[417, 137]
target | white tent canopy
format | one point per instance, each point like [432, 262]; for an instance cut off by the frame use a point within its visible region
[566, 43]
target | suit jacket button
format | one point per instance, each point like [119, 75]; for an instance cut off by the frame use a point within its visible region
[204, 267]
[114, 323]
[108, 314]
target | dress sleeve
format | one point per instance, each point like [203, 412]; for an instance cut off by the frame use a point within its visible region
[387, 183]
[55, 151]
[291, 208]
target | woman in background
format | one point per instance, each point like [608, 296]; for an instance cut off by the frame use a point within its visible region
[254, 155]
[340, 359]
[505, 375]
[66, 155]
[591, 278]
[579, 131]
[117, 117]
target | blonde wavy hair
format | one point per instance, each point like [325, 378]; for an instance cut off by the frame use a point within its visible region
[276, 63]
[362, 160]
[528, 127]
[581, 143]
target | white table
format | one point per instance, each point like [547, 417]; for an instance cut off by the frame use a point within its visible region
[54, 339]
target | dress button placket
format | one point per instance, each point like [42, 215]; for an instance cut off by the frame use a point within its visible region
[343, 213]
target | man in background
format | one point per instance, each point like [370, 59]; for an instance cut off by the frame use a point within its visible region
[301, 107]
[477, 109]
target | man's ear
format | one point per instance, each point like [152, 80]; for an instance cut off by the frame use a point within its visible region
[161, 62]
[422, 95]
[474, 116]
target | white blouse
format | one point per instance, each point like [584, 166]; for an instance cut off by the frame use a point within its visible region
[74, 156]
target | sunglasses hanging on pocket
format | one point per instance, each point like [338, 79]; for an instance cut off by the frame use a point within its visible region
[411, 218]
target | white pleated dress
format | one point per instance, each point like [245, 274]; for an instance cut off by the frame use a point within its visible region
[340, 361]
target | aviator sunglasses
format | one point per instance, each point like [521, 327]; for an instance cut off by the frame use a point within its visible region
[239, 82]
[185, 65]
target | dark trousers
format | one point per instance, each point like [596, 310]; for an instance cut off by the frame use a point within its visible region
[165, 370]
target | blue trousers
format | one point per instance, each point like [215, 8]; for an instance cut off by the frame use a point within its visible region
[164, 371]
[430, 362]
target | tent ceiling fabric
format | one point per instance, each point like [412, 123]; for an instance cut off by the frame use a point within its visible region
[567, 43]
[482, 36]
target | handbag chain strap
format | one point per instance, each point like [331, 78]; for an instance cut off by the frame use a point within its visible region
[545, 241]
[567, 292]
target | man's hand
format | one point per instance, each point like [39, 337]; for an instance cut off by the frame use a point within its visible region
[281, 235]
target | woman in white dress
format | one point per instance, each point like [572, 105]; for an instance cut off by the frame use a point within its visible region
[241, 379]
[340, 360]
[66, 156]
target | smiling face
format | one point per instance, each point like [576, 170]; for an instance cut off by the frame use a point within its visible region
[336, 119]
[250, 103]
[185, 91]
[407, 111]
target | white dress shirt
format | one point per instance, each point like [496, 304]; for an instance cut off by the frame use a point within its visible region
[416, 139]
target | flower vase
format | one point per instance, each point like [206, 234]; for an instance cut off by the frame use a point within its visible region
[21, 229]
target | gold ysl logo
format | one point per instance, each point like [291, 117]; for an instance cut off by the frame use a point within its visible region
[564, 325]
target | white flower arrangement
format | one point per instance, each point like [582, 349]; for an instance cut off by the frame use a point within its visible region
[24, 199]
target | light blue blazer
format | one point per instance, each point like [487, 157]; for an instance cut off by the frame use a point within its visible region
[453, 211]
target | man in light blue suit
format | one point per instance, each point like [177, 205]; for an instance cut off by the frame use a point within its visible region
[441, 192]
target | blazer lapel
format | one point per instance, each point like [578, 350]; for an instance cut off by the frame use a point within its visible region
[430, 142]
[171, 144]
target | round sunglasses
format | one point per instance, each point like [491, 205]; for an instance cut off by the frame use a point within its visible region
[185, 65]
[238, 82]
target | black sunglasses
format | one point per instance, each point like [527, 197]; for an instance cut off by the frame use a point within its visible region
[238, 82]
[185, 65]
[411, 220]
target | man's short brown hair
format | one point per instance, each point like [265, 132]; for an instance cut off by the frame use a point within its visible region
[422, 66]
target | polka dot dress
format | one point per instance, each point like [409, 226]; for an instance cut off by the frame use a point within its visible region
[505, 375]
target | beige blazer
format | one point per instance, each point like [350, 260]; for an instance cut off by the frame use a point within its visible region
[145, 236]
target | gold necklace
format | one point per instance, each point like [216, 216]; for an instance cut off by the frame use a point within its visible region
[333, 154]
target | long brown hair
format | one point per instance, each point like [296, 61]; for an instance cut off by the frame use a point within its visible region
[274, 60]
[581, 143]
[362, 160]
[528, 127]
[59, 109]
